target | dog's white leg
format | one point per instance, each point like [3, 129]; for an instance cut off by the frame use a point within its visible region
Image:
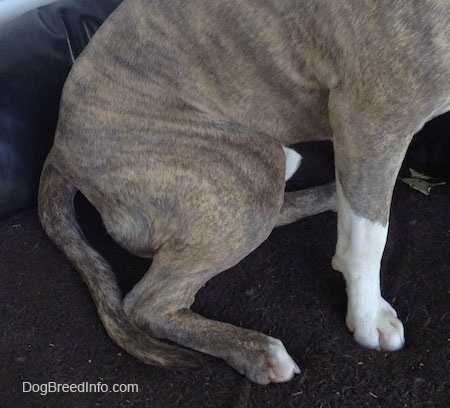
[293, 160]
[370, 142]
[358, 256]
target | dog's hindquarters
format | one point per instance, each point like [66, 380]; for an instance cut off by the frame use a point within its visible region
[196, 230]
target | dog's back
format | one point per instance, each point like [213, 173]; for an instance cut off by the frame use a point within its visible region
[266, 66]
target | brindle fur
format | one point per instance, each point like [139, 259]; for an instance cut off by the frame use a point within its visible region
[172, 122]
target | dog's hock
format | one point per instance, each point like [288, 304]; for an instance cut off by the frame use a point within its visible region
[293, 161]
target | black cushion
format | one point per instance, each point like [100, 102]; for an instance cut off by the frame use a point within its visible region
[36, 53]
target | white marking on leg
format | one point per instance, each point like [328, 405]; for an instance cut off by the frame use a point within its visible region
[293, 160]
[358, 256]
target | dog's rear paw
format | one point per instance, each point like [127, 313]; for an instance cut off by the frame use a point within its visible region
[383, 331]
[281, 365]
[269, 365]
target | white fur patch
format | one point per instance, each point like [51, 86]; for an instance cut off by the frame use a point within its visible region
[359, 250]
[293, 160]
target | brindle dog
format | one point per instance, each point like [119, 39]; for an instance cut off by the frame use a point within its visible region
[173, 124]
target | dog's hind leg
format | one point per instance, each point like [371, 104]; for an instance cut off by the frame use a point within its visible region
[200, 229]
[369, 150]
[160, 303]
[305, 203]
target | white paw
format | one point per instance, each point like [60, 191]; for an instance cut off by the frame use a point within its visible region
[379, 329]
[281, 365]
[269, 365]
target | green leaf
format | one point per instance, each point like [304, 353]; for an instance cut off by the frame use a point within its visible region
[418, 175]
[421, 182]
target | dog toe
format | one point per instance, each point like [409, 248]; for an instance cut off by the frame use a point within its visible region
[390, 330]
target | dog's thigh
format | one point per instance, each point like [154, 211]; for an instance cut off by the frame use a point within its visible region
[368, 156]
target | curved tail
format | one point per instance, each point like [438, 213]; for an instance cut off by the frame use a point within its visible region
[57, 215]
